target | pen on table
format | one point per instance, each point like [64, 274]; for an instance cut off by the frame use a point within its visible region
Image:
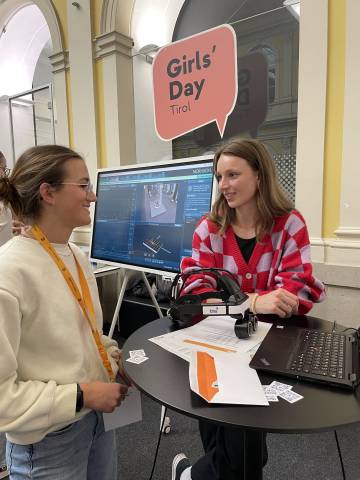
[214, 347]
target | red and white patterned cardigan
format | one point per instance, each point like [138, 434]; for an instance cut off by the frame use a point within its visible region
[281, 260]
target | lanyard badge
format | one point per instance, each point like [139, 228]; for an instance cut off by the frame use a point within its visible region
[84, 300]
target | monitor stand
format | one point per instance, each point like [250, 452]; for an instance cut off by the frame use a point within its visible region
[115, 318]
[165, 423]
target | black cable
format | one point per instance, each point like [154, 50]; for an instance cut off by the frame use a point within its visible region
[340, 456]
[158, 443]
[347, 329]
[334, 329]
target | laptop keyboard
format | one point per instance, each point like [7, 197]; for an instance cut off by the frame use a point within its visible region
[320, 353]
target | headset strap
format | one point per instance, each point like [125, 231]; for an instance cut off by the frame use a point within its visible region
[215, 294]
[217, 272]
[84, 300]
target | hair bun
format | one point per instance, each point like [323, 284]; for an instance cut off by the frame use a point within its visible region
[8, 192]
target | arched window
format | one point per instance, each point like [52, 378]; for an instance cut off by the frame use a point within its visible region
[25, 44]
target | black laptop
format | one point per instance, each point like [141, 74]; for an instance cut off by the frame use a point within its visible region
[310, 354]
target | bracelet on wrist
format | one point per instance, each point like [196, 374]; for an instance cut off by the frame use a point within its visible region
[253, 302]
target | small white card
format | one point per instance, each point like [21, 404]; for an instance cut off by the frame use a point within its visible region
[128, 412]
[290, 396]
[137, 359]
[282, 390]
[270, 390]
[271, 398]
[279, 387]
[137, 353]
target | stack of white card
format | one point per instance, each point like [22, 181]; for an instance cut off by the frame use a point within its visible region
[137, 356]
[282, 390]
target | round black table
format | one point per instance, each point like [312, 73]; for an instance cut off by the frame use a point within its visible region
[165, 378]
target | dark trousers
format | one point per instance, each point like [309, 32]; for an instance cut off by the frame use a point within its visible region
[224, 457]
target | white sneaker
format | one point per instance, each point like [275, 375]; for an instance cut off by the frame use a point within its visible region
[4, 473]
[179, 464]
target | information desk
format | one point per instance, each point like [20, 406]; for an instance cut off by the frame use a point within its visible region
[165, 378]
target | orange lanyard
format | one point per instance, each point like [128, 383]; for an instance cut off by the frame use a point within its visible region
[85, 301]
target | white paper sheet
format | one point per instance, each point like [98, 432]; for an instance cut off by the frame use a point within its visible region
[236, 381]
[216, 331]
[128, 412]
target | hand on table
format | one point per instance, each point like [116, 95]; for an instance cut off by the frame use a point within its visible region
[279, 302]
[103, 397]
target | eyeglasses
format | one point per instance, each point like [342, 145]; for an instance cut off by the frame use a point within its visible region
[87, 187]
[6, 171]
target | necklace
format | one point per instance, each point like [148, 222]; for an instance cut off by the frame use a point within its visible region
[244, 232]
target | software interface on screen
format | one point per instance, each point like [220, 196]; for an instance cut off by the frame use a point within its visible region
[145, 217]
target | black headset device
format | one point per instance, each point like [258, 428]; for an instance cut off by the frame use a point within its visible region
[188, 309]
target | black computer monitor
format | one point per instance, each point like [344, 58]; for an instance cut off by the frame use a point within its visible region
[145, 214]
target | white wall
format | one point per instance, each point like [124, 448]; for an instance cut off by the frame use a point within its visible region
[152, 23]
[82, 82]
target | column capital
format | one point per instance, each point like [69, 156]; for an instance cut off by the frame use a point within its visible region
[59, 61]
[113, 43]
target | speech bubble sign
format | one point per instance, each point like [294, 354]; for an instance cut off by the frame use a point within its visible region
[195, 82]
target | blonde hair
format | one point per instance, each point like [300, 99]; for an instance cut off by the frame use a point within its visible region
[271, 201]
[37, 165]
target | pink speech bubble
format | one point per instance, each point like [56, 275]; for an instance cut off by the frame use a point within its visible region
[195, 82]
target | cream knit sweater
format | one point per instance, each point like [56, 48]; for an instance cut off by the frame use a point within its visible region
[46, 345]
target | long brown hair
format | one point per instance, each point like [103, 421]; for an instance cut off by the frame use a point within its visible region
[37, 165]
[271, 201]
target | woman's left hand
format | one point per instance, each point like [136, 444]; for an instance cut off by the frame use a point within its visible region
[118, 357]
[279, 302]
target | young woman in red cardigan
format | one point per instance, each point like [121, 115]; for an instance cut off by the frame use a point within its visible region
[254, 232]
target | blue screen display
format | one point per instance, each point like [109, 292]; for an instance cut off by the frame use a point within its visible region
[145, 216]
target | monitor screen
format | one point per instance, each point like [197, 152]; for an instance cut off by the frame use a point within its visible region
[145, 215]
